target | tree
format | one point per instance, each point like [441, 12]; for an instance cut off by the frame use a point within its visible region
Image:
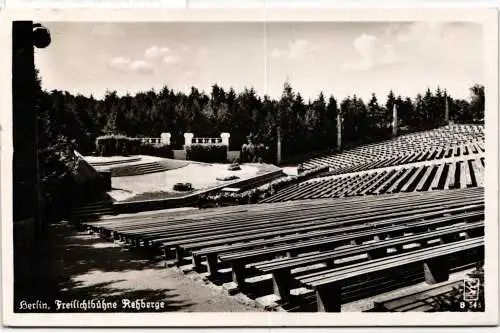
[376, 118]
[55, 154]
[286, 118]
[389, 105]
[477, 103]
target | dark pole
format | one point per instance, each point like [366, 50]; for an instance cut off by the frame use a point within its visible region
[27, 223]
[26, 182]
[339, 131]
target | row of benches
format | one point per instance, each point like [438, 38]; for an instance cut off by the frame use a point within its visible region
[435, 261]
[137, 169]
[445, 137]
[456, 174]
[252, 239]
[470, 149]
[100, 163]
[426, 300]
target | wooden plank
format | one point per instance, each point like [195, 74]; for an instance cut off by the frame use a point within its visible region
[412, 179]
[394, 261]
[398, 260]
[412, 301]
[352, 230]
[374, 250]
[423, 180]
[393, 188]
[283, 217]
[383, 177]
[467, 170]
[478, 173]
[388, 182]
[437, 176]
[450, 179]
[189, 242]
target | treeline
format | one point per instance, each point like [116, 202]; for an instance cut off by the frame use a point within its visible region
[305, 126]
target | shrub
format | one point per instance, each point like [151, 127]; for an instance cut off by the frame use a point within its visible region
[183, 187]
[261, 192]
[226, 178]
[159, 150]
[111, 145]
[251, 152]
[207, 153]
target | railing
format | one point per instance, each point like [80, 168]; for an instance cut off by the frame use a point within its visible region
[151, 140]
[207, 141]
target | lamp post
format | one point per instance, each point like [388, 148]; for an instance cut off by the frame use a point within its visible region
[278, 144]
[395, 120]
[26, 183]
[446, 109]
[339, 132]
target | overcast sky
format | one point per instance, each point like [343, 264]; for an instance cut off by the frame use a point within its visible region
[342, 58]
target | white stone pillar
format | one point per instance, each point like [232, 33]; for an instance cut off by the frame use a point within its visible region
[394, 120]
[339, 132]
[188, 139]
[165, 138]
[225, 138]
[278, 145]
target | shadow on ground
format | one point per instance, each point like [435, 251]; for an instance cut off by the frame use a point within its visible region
[73, 265]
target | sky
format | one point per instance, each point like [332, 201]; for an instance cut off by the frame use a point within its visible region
[339, 58]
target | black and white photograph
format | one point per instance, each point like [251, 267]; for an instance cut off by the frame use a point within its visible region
[255, 165]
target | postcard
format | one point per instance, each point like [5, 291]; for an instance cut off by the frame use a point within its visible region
[250, 167]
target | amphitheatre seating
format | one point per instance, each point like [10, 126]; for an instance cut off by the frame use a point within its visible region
[280, 267]
[327, 238]
[114, 161]
[328, 284]
[273, 224]
[372, 249]
[423, 177]
[421, 301]
[137, 169]
[444, 142]
[395, 214]
[414, 157]
[218, 226]
[92, 209]
[252, 238]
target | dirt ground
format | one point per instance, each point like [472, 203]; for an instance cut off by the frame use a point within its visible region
[76, 265]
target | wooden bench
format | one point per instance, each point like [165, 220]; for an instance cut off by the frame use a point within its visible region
[298, 222]
[340, 235]
[281, 268]
[328, 284]
[190, 244]
[421, 301]
[135, 224]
